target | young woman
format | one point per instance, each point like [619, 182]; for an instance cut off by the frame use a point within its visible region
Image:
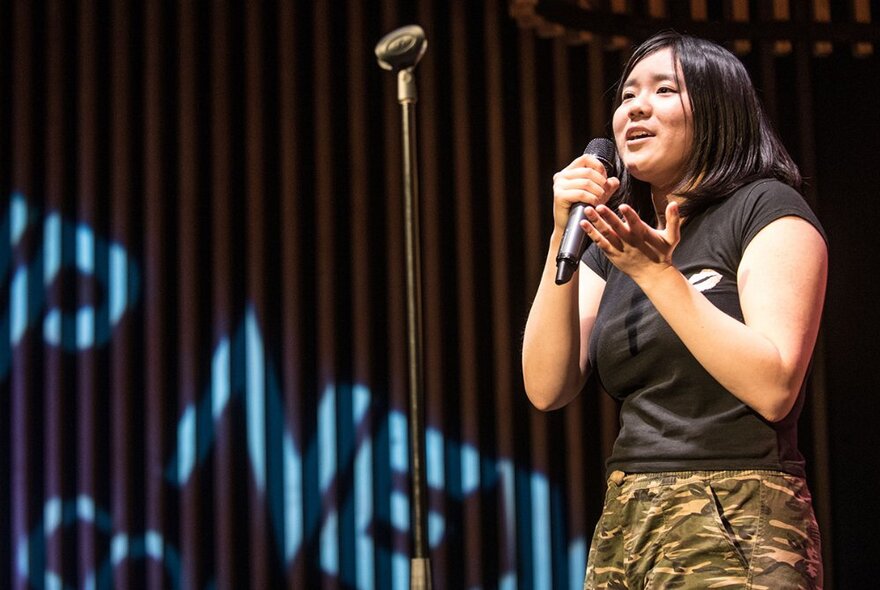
[698, 304]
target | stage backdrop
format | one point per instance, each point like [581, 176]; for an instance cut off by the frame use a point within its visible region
[202, 362]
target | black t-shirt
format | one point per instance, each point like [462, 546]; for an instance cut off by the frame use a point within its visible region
[674, 416]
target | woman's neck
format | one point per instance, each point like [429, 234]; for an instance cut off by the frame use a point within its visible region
[661, 198]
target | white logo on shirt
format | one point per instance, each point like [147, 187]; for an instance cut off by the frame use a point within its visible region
[705, 279]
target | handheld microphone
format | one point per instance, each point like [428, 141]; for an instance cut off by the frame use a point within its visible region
[574, 240]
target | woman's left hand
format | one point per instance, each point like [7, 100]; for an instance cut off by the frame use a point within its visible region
[630, 244]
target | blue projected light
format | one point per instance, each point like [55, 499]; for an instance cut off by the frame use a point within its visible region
[18, 309]
[18, 218]
[541, 558]
[350, 445]
[63, 245]
[229, 382]
[59, 515]
[256, 399]
[293, 500]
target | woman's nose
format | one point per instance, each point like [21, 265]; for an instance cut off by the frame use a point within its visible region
[638, 107]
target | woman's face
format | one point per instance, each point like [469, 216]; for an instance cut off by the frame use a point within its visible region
[653, 126]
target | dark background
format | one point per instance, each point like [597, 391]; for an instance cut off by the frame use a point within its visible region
[848, 145]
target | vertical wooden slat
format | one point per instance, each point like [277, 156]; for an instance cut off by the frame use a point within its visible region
[780, 12]
[818, 391]
[156, 256]
[87, 384]
[596, 89]
[699, 10]
[255, 214]
[657, 8]
[535, 195]
[821, 14]
[123, 353]
[619, 41]
[807, 141]
[228, 543]
[861, 13]
[564, 150]
[574, 482]
[469, 411]
[739, 13]
[57, 426]
[326, 203]
[25, 482]
[504, 334]
[292, 307]
[359, 150]
[192, 493]
[767, 65]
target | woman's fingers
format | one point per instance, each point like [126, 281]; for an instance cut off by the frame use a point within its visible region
[597, 237]
[609, 229]
[611, 186]
[673, 223]
[628, 241]
[643, 236]
[632, 218]
[586, 186]
[587, 175]
[614, 222]
[629, 230]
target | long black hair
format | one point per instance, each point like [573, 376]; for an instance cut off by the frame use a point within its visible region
[733, 140]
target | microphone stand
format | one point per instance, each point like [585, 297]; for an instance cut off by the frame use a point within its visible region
[399, 51]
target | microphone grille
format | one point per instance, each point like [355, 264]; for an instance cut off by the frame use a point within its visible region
[604, 150]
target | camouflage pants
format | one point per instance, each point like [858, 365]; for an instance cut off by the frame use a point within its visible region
[706, 529]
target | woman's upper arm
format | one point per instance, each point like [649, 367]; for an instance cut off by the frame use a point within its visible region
[781, 281]
[590, 289]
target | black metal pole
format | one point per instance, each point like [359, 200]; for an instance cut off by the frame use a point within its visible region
[400, 50]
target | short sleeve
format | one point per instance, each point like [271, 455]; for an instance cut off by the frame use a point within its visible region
[596, 260]
[769, 200]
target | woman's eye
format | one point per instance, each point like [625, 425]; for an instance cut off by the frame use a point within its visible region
[665, 90]
[627, 95]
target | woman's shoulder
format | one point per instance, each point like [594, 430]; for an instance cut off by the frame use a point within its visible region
[768, 188]
[762, 201]
[764, 194]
